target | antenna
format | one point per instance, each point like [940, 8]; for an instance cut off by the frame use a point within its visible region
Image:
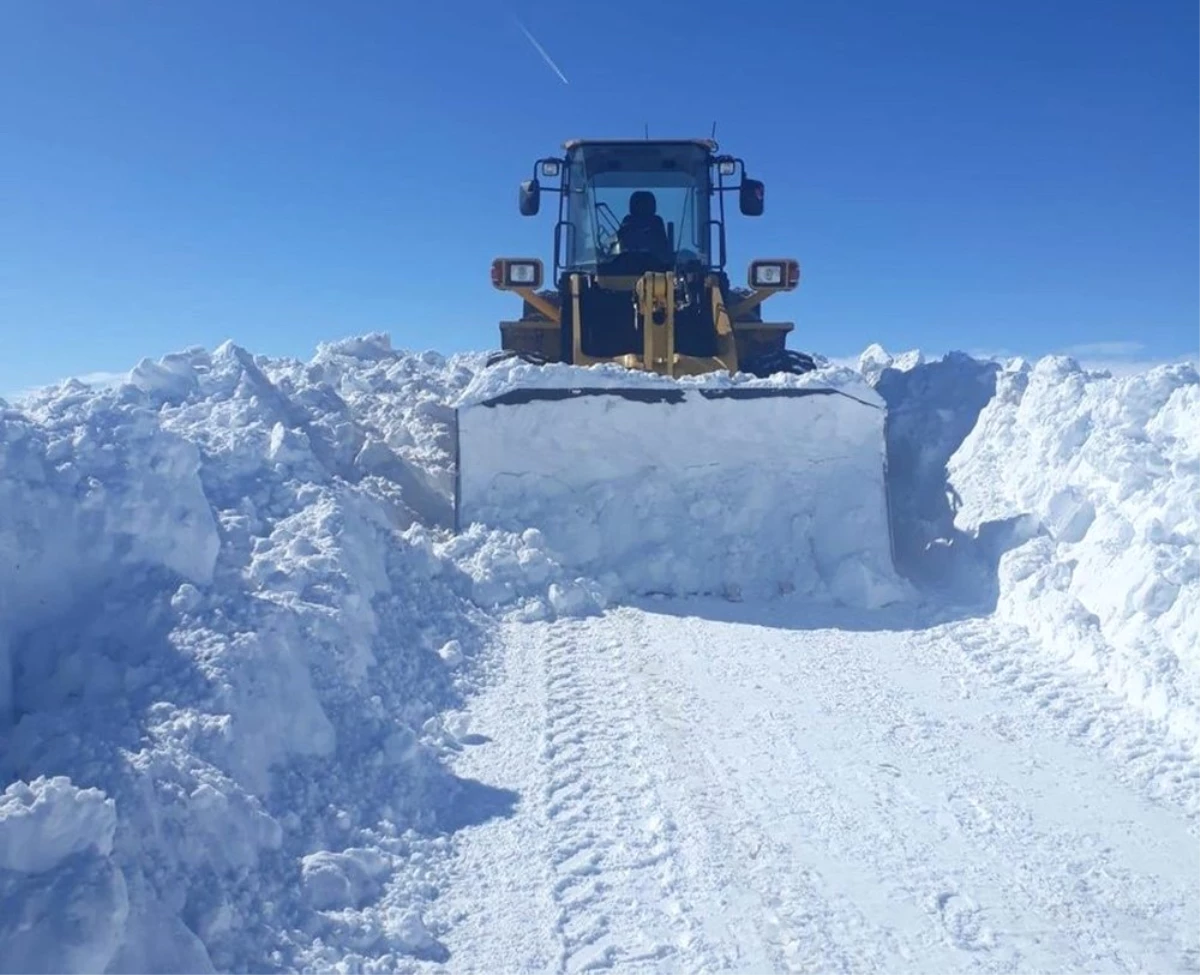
[647, 124]
[713, 137]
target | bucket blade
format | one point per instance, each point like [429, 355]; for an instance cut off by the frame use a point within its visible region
[682, 488]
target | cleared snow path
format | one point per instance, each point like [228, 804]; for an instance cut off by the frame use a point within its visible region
[702, 789]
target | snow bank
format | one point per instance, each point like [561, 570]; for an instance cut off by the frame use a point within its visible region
[1109, 470]
[740, 486]
[1068, 501]
[225, 661]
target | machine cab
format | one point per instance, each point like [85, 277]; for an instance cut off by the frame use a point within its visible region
[627, 207]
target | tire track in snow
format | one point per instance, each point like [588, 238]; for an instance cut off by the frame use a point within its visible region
[1079, 704]
[611, 847]
[701, 793]
[771, 911]
[959, 850]
[494, 900]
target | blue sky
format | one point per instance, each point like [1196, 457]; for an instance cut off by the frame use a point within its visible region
[1015, 176]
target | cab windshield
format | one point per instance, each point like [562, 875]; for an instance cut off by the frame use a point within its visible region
[646, 206]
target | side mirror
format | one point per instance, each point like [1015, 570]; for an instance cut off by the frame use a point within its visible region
[530, 197]
[750, 197]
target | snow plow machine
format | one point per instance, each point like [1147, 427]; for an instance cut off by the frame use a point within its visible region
[643, 416]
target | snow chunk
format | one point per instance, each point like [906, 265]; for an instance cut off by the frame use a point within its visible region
[347, 879]
[173, 378]
[576, 598]
[451, 653]
[45, 821]
[409, 928]
[63, 904]
[187, 599]
[370, 348]
[875, 359]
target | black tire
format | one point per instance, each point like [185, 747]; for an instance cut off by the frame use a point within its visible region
[533, 358]
[783, 360]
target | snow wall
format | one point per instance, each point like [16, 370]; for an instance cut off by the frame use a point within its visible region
[741, 488]
[232, 653]
[236, 628]
[1099, 478]
[1064, 500]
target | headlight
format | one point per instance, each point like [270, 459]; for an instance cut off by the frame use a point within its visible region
[522, 274]
[509, 273]
[782, 275]
[767, 275]
[726, 167]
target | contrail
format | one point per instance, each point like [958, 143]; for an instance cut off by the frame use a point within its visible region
[542, 51]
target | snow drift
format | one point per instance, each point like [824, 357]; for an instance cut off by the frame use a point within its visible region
[1066, 500]
[236, 626]
[738, 486]
[228, 646]
[1104, 474]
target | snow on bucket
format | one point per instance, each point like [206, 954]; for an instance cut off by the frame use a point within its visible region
[711, 485]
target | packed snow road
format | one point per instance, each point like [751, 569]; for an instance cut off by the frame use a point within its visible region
[705, 790]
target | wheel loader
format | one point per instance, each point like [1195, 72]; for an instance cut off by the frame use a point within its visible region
[643, 417]
[639, 265]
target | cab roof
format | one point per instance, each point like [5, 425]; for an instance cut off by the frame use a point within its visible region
[709, 144]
